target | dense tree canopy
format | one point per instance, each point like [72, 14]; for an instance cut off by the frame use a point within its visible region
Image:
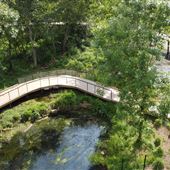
[45, 29]
[115, 42]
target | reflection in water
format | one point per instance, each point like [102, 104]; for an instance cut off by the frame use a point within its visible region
[76, 145]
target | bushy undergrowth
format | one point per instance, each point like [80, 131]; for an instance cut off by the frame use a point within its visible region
[67, 100]
[34, 111]
[158, 123]
[64, 100]
[28, 111]
[121, 146]
[157, 142]
[158, 164]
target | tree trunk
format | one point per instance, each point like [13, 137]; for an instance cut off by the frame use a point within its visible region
[138, 142]
[140, 131]
[9, 51]
[65, 40]
[9, 57]
[54, 49]
[34, 54]
[168, 54]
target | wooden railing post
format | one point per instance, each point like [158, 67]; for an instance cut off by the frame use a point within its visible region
[66, 81]
[9, 96]
[18, 92]
[49, 80]
[26, 86]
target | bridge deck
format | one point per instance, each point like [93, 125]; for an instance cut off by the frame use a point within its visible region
[15, 92]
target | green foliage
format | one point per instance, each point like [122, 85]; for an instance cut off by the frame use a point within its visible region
[164, 106]
[168, 125]
[158, 164]
[8, 33]
[28, 111]
[158, 123]
[124, 46]
[25, 34]
[158, 152]
[34, 111]
[71, 101]
[86, 61]
[64, 100]
[101, 108]
[8, 118]
[157, 142]
[125, 41]
[119, 146]
[67, 100]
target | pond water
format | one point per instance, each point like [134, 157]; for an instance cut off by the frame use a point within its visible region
[76, 145]
[68, 148]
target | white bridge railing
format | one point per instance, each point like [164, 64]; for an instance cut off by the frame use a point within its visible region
[56, 79]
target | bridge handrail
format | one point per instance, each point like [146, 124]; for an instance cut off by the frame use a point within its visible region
[41, 74]
[51, 73]
[66, 74]
[8, 90]
[56, 73]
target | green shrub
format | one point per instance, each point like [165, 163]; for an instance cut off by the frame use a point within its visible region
[158, 152]
[168, 125]
[8, 118]
[157, 142]
[16, 117]
[157, 123]
[25, 116]
[6, 124]
[34, 116]
[158, 164]
[33, 112]
[85, 61]
[41, 108]
[30, 110]
[64, 100]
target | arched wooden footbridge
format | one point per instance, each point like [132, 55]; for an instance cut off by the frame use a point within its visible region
[56, 79]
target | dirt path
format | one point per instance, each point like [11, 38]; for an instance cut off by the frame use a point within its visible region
[164, 134]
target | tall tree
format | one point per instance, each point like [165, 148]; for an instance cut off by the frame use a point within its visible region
[8, 32]
[130, 41]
